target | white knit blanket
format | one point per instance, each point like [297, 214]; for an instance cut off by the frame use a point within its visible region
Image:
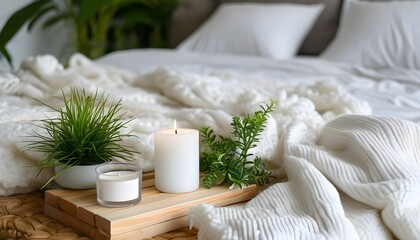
[355, 177]
[359, 180]
[210, 98]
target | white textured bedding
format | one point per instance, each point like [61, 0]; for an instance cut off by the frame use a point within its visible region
[158, 86]
[390, 92]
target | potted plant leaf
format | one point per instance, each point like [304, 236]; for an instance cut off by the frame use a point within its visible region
[94, 23]
[86, 133]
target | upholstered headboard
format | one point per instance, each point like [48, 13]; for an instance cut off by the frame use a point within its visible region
[192, 13]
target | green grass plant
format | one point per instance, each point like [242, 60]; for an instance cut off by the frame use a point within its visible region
[85, 132]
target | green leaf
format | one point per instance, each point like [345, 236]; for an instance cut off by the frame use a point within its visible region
[55, 19]
[5, 54]
[88, 8]
[16, 21]
[229, 158]
[138, 15]
[40, 14]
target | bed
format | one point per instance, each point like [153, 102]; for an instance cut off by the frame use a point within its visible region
[343, 141]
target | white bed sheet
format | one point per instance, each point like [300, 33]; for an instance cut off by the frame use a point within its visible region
[390, 92]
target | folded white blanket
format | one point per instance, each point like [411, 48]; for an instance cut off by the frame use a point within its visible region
[360, 178]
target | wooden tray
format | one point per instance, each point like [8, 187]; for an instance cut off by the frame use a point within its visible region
[156, 213]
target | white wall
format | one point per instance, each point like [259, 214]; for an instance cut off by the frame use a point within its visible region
[54, 40]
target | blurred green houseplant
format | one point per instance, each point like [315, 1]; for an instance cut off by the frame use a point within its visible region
[99, 26]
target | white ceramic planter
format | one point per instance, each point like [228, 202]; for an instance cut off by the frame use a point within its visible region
[77, 177]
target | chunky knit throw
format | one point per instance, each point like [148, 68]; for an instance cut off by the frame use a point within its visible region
[359, 180]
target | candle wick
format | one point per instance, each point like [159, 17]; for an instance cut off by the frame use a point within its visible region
[176, 131]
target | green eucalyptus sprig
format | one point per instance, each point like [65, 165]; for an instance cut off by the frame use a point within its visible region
[85, 132]
[227, 160]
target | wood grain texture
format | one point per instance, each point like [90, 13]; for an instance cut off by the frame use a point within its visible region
[156, 213]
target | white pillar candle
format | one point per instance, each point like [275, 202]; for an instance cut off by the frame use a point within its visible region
[177, 160]
[119, 186]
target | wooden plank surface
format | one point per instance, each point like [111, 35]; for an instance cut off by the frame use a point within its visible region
[146, 232]
[156, 213]
[164, 208]
[74, 223]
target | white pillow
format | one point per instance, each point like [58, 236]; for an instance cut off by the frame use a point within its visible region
[378, 35]
[263, 29]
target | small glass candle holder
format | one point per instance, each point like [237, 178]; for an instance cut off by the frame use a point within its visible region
[118, 184]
